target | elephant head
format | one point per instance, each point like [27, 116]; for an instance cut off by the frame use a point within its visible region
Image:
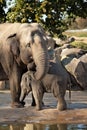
[30, 44]
[25, 85]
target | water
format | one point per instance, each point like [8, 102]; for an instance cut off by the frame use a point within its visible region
[43, 127]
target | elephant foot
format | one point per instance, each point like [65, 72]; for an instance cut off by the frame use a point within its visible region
[17, 105]
[33, 104]
[38, 108]
[22, 102]
[62, 106]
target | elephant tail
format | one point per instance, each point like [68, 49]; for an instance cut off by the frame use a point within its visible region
[69, 87]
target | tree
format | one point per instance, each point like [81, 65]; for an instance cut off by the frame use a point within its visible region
[23, 11]
[2, 11]
[54, 15]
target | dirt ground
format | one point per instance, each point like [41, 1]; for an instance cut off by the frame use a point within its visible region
[76, 112]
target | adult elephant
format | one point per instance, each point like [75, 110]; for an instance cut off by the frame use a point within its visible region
[21, 44]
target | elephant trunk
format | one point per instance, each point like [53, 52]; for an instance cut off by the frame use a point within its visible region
[23, 95]
[42, 64]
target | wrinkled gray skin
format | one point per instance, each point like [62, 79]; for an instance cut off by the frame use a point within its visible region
[21, 45]
[56, 82]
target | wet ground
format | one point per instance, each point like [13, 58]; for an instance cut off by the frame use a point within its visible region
[76, 112]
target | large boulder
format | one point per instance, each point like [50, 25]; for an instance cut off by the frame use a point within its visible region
[83, 58]
[75, 62]
[51, 43]
[72, 52]
[77, 69]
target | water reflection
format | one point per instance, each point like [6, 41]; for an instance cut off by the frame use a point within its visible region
[43, 127]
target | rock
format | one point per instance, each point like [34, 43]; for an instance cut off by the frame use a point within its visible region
[76, 68]
[72, 52]
[51, 43]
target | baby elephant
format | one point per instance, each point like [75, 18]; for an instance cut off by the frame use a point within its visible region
[55, 81]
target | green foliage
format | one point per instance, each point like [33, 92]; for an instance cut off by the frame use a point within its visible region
[2, 12]
[22, 11]
[80, 45]
[54, 15]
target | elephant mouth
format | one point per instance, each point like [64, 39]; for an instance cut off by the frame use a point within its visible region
[31, 66]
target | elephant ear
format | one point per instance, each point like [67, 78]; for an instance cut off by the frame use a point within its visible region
[14, 44]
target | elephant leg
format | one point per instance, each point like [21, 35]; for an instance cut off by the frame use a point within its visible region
[38, 96]
[59, 93]
[14, 93]
[61, 104]
[33, 101]
[14, 73]
[3, 75]
[15, 79]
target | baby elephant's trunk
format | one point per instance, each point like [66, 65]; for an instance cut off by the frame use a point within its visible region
[23, 95]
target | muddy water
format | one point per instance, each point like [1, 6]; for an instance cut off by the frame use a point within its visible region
[43, 127]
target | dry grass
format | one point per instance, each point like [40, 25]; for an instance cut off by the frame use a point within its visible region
[76, 34]
[79, 44]
[80, 39]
